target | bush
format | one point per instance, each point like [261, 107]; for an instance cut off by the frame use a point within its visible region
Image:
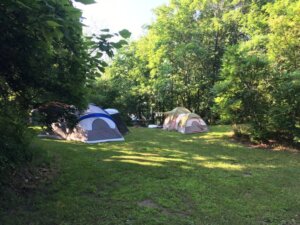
[15, 139]
[53, 112]
[251, 93]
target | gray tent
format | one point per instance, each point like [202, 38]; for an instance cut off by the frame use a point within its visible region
[94, 126]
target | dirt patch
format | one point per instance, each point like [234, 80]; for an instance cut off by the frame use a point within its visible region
[247, 174]
[148, 204]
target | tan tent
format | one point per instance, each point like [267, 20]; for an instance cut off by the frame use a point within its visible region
[182, 120]
[177, 111]
[170, 121]
[190, 123]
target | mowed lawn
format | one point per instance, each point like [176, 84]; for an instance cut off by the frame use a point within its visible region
[159, 177]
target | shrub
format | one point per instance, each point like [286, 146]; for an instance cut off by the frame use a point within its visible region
[53, 112]
[15, 138]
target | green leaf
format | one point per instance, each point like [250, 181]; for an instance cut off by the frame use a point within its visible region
[102, 69]
[21, 4]
[125, 33]
[119, 44]
[106, 36]
[53, 24]
[86, 2]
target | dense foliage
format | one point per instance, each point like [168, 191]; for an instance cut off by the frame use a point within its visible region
[230, 61]
[44, 57]
[15, 138]
[260, 83]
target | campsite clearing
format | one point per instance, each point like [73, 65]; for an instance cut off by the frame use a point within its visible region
[159, 177]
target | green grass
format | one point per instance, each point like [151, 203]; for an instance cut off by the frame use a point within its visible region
[159, 177]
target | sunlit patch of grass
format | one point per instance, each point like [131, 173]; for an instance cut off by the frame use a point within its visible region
[147, 157]
[35, 128]
[200, 158]
[160, 177]
[135, 161]
[221, 165]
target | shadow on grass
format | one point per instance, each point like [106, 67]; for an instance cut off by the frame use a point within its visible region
[163, 148]
[159, 177]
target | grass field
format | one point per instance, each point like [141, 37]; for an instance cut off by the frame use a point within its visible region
[159, 177]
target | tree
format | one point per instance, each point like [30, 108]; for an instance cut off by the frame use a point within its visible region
[260, 84]
[44, 57]
[181, 56]
[125, 83]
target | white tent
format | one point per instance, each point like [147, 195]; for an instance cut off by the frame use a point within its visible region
[95, 125]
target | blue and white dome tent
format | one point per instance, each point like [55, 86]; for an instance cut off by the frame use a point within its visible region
[95, 126]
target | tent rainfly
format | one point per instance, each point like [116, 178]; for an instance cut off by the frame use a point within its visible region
[115, 115]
